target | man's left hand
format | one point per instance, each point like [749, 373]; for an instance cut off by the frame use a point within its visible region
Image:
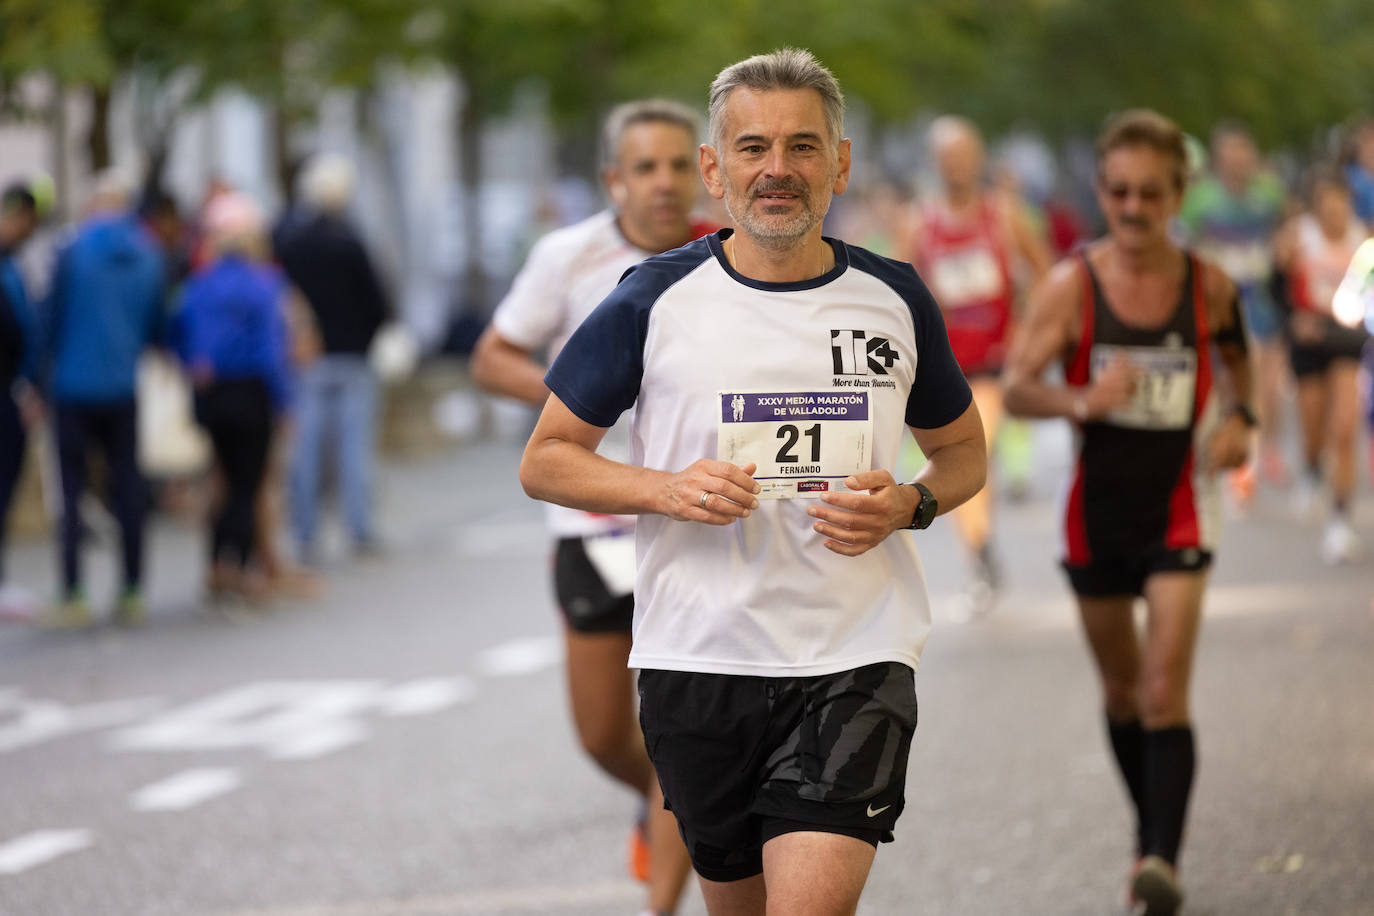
[857, 521]
[1229, 446]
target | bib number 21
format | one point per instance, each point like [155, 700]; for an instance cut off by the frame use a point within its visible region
[793, 435]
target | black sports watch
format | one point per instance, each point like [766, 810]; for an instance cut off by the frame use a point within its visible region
[925, 509]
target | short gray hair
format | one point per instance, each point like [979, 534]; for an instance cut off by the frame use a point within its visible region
[786, 68]
[328, 182]
[644, 111]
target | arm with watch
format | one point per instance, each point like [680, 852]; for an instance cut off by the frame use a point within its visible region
[876, 505]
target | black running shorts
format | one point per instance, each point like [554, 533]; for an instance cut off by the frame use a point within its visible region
[587, 604]
[1337, 343]
[1110, 577]
[745, 759]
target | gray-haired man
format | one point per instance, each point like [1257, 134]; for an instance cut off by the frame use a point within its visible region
[780, 608]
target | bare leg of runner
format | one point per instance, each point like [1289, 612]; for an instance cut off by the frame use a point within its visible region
[1342, 422]
[734, 898]
[1175, 614]
[601, 690]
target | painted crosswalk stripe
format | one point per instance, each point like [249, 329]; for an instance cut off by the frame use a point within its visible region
[40, 847]
[186, 789]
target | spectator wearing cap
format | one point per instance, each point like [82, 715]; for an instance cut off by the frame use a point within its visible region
[325, 260]
[20, 406]
[104, 309]
[231, 336]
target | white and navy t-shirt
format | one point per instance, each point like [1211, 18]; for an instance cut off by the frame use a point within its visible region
[762, 596]
[567, 274]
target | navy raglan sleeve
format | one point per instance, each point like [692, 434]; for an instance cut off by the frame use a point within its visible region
[598, 372]
[940, 394]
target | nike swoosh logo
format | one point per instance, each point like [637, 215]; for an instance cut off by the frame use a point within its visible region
[872, 812]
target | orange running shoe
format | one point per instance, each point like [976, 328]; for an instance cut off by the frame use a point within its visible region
[1242, 481]
[639, 852]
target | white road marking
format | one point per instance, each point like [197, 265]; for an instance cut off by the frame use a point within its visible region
[425, 695]
[318, 741]
[30, 721]
[521, 656]
[41, 847]
[186, 789]
[285, 719]
[553, 899]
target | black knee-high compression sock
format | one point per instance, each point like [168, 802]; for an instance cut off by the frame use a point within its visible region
[1128, 744]
[1170, 760]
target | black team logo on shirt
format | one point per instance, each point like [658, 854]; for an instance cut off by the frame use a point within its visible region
[855, 353]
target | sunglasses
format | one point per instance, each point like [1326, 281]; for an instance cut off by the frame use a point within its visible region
[1121, 192]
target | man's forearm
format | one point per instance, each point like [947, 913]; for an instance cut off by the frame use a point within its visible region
[566, 473]
[954, 473]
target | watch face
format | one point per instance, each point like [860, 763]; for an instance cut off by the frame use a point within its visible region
[925, 512]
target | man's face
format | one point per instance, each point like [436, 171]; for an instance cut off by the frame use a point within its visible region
[960, 159]
[16, 225]
[1236, 159]
[777, 168]
[1137, 194]
[1332, 207]
[654, 185]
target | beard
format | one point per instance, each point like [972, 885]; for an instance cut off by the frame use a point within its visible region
[774, 230]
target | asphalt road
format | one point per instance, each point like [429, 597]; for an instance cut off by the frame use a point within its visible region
[402, 746]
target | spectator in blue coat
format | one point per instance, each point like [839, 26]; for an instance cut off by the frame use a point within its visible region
[232, 338]
[20, 407]
[104, 309]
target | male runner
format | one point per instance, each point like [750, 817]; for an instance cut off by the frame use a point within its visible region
[651, 177]
[966, 244]
[1133, 320]
[780, 608]
[1231, 218]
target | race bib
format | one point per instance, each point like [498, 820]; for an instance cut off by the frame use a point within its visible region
[1164, 389]
[804, 442]
[967, 277]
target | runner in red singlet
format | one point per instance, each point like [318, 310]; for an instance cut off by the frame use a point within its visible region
[964, 244]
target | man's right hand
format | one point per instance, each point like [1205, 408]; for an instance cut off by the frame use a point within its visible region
[729, 492]
[1112, 388]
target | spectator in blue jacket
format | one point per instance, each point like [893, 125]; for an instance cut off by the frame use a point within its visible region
[104, 309]
[20, 407]
[232, 338]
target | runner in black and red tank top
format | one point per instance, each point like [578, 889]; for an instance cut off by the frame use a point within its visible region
[1135, 322]
[1137, 504]
[964, 244]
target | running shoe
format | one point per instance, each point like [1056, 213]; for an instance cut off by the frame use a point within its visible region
[130, 612]
[71, 614]
[1242, 484]
[639, 849]
[1154, 883]
[1340, 543]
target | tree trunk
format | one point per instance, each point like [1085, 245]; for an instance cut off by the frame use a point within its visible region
[287, 165]
[63, 205]
[476, 283]
[98, 142]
